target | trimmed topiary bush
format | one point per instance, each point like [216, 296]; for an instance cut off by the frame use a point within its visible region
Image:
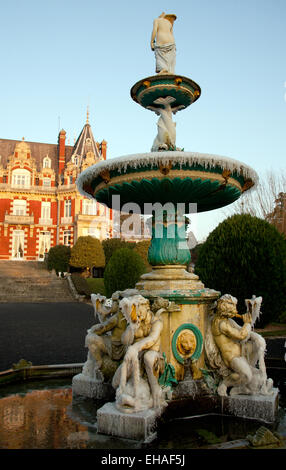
[243, 256]
[58, 258]
[110, 245]
[123, 270]
[87, 253]
[142, 248]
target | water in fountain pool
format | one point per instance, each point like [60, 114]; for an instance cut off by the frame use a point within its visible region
[44, 415]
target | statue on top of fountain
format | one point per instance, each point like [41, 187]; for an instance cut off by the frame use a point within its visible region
[163, 43]
[235, 351]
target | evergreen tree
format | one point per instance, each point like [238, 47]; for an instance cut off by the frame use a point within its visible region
[123, 271]
[58, 258]
[246, 256]
[112, 244]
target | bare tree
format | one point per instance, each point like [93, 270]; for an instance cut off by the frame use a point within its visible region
[261, 201]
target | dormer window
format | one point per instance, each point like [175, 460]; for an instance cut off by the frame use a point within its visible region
[74, 159]
[47, 162]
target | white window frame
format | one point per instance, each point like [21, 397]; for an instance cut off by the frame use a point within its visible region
[47, 162]
[19, 207]
[67, 237]
[44, 244]
[21, 178]
[92, 232]
[89, 207]
[45, 210]
[18, 241]
[67, 208]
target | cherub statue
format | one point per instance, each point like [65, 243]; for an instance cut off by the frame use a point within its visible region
[234, 351]
[166, 137]
[142, 336]
[163, 43]
[104, 338]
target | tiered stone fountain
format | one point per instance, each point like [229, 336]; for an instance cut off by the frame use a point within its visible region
[167, 182]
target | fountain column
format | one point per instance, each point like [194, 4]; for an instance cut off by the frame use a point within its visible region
[184, 331]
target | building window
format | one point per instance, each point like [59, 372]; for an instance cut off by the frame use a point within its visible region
[47, 162]
[70, 179]
[88, 207]
[67, 237]
[21, 178]
[68, 208]
[46, 210]
[18, 244]
[19, 207]
[47, 182]
[91, 231]
[74, 159]
[44, 244]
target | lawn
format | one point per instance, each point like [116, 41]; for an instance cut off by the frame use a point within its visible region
[96, 285]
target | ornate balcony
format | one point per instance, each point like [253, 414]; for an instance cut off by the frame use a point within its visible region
[19, 219]
[45, 221]
[66, 220]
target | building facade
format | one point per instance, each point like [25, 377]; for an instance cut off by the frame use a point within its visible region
[40, 206]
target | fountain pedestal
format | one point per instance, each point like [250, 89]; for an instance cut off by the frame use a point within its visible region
[140, 426]
[91, 388]
[183, 330]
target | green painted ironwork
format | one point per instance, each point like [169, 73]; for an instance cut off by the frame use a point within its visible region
[167, 378]
[183, 89]
[168, 245]
[207, 194]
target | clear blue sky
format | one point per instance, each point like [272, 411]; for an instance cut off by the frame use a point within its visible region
[58, 57]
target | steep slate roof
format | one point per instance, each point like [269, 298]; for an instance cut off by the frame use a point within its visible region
[38, 151]
[86, 143]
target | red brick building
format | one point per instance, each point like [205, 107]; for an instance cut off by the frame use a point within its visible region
[40, 206]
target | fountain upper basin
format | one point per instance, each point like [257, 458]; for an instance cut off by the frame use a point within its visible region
[210, 181]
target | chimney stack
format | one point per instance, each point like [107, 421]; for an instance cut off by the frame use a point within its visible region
[62, 146]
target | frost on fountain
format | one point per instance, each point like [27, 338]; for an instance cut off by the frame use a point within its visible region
[103, 339]
[126, 346]
[128, 335]
[236, 353]
[154, 159]
[136, 380]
